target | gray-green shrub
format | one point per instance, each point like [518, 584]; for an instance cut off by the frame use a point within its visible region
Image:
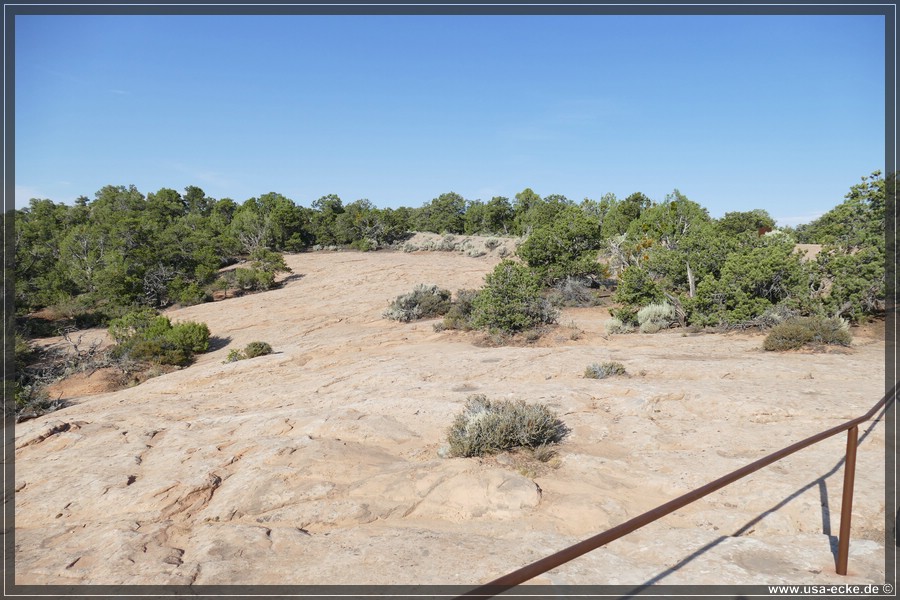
[485, 426]
[425, 301]
[655, 316]
[808, 331]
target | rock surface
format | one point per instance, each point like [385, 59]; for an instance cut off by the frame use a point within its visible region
[321, 463]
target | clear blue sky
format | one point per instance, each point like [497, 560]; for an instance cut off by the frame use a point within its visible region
[783, 113]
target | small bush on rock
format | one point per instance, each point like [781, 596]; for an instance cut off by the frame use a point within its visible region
[601, 371]
[251, 350]
[425, 301]
[254, 349]
[808, 331]
[145, 336]
[486, 426]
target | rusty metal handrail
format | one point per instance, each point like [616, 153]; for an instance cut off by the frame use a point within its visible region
[563, 556]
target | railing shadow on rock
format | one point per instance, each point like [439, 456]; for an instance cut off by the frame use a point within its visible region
[543, 565]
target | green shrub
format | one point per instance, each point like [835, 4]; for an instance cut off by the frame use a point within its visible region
[251, 350]
[191, 335]
[252, 280]
[364, 245]
[601, 371]
[491, 243]
[234, 355]
[425, 301]
[460, 314]
[254, 349]
[636, 288]
[145, 336]
[511, 301]
[808, 331]
[486, 426]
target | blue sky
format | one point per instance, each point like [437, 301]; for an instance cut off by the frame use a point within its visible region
[783, 113]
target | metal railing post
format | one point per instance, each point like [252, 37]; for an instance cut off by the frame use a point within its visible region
[847, 501]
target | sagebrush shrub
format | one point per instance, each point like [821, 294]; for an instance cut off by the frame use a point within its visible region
[425, 301]
[574, 291]
[655, 316]
[615, 325]
[485, 426]
[601, 371]
[808, 331]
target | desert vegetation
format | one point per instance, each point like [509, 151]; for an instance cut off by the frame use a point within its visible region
[487, 426]
[115, 259]
[251, 350]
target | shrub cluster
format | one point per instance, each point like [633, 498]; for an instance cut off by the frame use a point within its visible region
[145, 336]
[425, 301]
[251, 350]
[808, 331]
[486, 426]
[601, 371]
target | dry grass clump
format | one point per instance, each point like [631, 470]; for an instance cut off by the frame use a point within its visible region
[808, 331]
[601, 371]
[485, 427]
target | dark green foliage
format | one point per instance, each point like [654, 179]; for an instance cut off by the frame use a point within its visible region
[635, 289]
[460, 314]
[147, 337]
[444, 214]
[485, 427]
[807, 331]
[853, 254]
[752, 282]
[601, 371]
[254, 349]
[735, 223]
[511, 301]
[618, 216]
[564, 247]
[424, 302]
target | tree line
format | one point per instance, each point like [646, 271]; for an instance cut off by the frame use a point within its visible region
[124, 249]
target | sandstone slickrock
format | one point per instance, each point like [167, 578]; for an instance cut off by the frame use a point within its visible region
[320, 462]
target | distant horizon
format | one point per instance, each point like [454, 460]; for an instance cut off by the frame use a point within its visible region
[783, 113]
